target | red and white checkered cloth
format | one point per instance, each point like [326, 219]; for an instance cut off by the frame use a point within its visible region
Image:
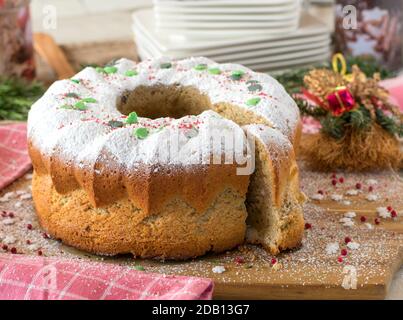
[14, 159]
[38, 278]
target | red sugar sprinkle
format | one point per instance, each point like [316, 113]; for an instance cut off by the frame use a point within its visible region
[320, 192]
[273, 261]
[363, 218]
[5, 247]
[341, 179]
[239, 260]
[393, 214]
[4, 214]
[13, 250]
[29, 226]
[347, 240]
[334, 176]
[377, 221]
[40, 253]
[343, 252]
[308, 226]
[371, 188]
[11, 215]
[28, 241]
[340, 259]
[358, 185]
[334, 182]
[389, 208]
[45, 235]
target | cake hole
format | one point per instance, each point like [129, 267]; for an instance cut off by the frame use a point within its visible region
[164, 101]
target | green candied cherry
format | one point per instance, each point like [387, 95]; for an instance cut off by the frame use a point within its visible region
[141, 133]
[89, 100]
[200, 67]
[132, 118]
[253, 102]
[131, 73]
[166, 65]
[116, 124]
[214, 71]
[80, 105]
[237, 75]
[72, 95]
[110, 70]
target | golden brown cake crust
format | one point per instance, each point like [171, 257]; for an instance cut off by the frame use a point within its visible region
[178, 232]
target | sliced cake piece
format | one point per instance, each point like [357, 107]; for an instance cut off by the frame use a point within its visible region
[274, 201]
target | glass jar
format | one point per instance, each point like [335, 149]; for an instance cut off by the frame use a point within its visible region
[16, 49]
[371, 27]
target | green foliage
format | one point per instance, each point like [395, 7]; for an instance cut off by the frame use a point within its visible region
[16, 98]
[359, 118]
[333, 126]
[389, 123]
[309, 110]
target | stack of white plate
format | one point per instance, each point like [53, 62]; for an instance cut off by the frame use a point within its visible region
[309, 44]
[223, 18]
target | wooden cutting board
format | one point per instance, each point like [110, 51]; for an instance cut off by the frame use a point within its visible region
[306, 273]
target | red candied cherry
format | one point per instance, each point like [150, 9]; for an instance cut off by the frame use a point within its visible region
[341, 180]
[273, 261]
[239, 260]
[358, 185]
[29, 226]
[371, 188]
[13, 250]
[389, 208]
[334, 182]
[363, 218]
[377, 221]
[393, 213]
[343, 252]
[308, 226]
[347, 240]
[40, 252]
[340, 259]
[5, 247]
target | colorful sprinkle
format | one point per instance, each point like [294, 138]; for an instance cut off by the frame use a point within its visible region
[75, 81]
[132, 118]
[253, 102]
[141, 133]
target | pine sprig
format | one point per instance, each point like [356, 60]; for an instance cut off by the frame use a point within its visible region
[310, 110]
[389, 123]
[359, 118]
[333, 126]
[16, 98]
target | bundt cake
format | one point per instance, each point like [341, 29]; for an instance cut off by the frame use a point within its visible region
[155, 158]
